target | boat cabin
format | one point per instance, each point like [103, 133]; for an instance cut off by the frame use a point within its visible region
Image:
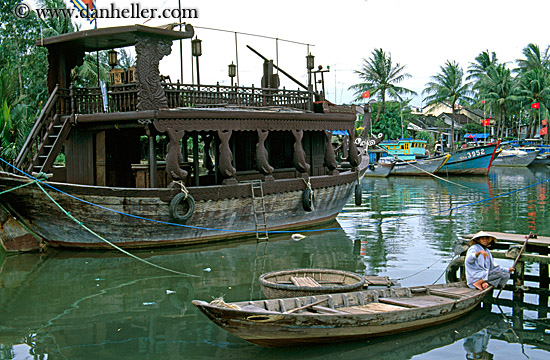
[143, 131]
[405, 149]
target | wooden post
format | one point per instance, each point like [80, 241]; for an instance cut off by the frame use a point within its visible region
[196, 158]
[519, 280]
[543, 284]
[152, 160]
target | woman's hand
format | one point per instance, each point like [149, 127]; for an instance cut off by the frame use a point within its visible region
[483, 252]
[511, 269]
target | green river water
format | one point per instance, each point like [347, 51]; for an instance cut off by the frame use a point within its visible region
[104, 305]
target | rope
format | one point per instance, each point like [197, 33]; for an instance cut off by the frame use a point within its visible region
[427, 172]
[253, 231]
[183, 188]
[18, 187]
[469, 204]
[107, 241]
[418, 272]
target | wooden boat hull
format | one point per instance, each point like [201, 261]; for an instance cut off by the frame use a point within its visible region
[470, 161]
[380, 169]
[221, 212]
[515, 160]
[420, 168]
[274, 327]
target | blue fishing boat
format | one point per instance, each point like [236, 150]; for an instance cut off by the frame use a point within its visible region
[470, 161]
[405, 149]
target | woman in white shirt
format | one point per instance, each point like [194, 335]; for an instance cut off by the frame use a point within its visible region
[481, 270]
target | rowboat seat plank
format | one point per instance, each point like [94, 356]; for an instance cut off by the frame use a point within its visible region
[371, 308]
[326, 310]
[378, 280]
[304, 281]
[417, 301]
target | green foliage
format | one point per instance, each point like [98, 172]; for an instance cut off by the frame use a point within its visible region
[389, 123]
[380, 77]
[23, 65]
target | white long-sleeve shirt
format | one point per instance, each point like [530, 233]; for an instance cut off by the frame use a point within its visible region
[479, 267]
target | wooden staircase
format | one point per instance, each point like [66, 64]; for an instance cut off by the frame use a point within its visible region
[48, 134]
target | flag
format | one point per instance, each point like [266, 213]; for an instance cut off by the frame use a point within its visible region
[87, 9]
[544, 122]
[535, 106]
[543, 131]
[486, 122]
[366, 94]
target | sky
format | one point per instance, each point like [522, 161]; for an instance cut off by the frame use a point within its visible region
[420, 34]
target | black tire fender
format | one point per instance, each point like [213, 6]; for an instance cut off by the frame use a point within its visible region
[308, 199]
[358, 194]
[175, 202]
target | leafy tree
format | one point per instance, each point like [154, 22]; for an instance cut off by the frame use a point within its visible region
[389, 123]
[482, 63]
[534, 59]
[380, 77]
[448, 86]
[23, 88]
[500, 90]
[534, 82]
[535, 88]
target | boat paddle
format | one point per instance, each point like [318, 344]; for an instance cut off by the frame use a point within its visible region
[306, 306]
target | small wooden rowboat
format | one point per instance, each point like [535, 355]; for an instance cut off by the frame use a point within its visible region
[304, 282]
[343, 316]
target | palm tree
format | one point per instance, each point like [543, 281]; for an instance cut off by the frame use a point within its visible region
[534, 78]
[535, 88]
[533, 59]
[484, 61]
[500, 90]
[448, 86]
[380, 76]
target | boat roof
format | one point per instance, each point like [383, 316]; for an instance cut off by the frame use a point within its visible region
[402, 140]
[113, 37]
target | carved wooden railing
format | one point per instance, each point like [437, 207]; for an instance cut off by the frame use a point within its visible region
[52, 121]
[122, 98]
[181, 95]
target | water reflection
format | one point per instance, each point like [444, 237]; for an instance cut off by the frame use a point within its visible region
[66, 304]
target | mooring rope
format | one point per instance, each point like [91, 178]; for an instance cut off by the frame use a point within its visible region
[271, 231]
[107, 241]
[397, 159]
[18, 187]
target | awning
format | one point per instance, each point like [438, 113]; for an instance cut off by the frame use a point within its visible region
[340, 132]
[476, 136]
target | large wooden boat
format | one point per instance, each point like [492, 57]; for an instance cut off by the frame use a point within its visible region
[344, 316]
[470, 161]
[420, 167]
[149, 163]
